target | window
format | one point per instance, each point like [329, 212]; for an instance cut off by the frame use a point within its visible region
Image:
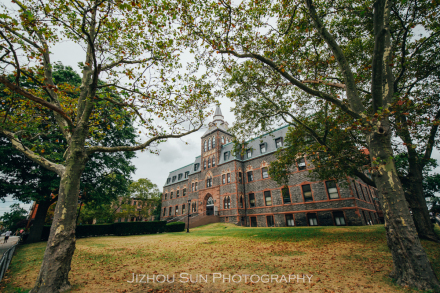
[270, 222]
[227, 203]
[196, 167]
[174, 178]
[168, 180]
[307, 192]
[339, 218]
[183, 209]
[184, 192]
[209, 162]
[355, 188]
[279, 142]
[192, 187]
[223, 179]
[186, 174]
[163, 214]
[205, 146]
[226, 155]
[209, 144]
[251, 200]
[171, 195]
[239, 178]
[177, 193]
[241, 201]
[179, 176]
[264, 173]
[204, 164]
[176, 212]
[229, 177]
[196, 186]
[170, 213]
[301, 164]
[262, 148]
[194, 208]
[286, 195]
[289, 220]
[253, 221]
[267, 198]
[134, 203]
[213, 161]
[250, 176]
[249, 153]
[223, 140]
[166, 195]
[213, 142]
[209, 182]
[313, 221]
[332, 189]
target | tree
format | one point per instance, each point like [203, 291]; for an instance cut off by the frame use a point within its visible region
[364, 59]
[141, 201]
[134, 51]
[12, 218]
[105, 177]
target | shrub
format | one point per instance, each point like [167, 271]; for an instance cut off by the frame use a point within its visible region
[126, 228]
[175, 227]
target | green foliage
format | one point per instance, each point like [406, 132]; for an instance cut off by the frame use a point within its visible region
[175, 227]
[14, 217]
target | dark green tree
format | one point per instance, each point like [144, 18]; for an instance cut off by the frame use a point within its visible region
[106, 176]
[12, 218]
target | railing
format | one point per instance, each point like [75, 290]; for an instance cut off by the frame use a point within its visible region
[6, 259]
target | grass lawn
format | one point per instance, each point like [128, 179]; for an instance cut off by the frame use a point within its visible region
[341, 259]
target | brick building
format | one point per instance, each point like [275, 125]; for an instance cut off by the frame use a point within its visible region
[237, 189]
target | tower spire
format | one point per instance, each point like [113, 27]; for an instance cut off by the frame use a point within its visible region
[218, 114]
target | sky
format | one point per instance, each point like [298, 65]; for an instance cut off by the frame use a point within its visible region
[174, 153]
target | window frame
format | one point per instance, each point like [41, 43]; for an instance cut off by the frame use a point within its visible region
[250, 202]
[192, 187]
[265, 147]
[262, 173]
[165, 196]
[252, 176]
[251, 222]
[316, 217]
[183, 209]
[179, 176]
[265, 198]
[327, 189]
[282, 195]
[209, 144]
[209, 163]
[305, 164]
[335, 216]
[226, 155]
[176, 210]
[228, 178]
[204, 164]
[174, 178]
[247, 153]
[240, 179]
[286, 220]
[273, 220]
[213, 142]
[170, 211]
[196, 186]
[213, 162]
[223, 178]
[311, 191]
[177, 193]
[241, 202]
[171, 194]
[281, 140]
[168, 180]
[186, 174]
[184, 192]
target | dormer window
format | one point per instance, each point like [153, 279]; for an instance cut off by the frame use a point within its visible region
[186, 174]
[226, 155]
[213, 142]
[168, 180]
[263, 148]
[279, 142]
[174, 178]
[249, 153]
[196, 166]
[179, 176]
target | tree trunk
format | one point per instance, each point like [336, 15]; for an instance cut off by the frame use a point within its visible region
[60, 247]
[417, 203]
[38, 224]
[411, 265]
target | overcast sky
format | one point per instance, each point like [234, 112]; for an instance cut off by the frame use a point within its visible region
[174, 153]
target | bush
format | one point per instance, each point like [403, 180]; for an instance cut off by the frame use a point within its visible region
[126, 228]
[175, 227]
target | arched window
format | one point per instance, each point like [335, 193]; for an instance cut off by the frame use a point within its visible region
[210, 201]
[204, 146]
[209, 162]
[225, 203]
[209, 144]
[229, 202]
[204, 164]
[223, 140]
[213, 161]
[213, 142]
